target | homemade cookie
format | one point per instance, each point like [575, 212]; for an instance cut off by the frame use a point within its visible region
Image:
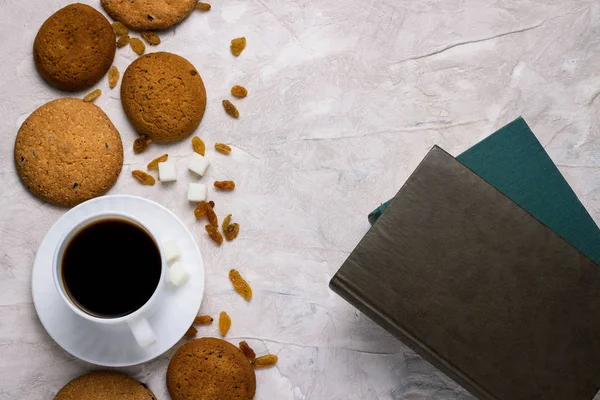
[104, 386]
[163, 96]
[67, 151]
[210, 369]
[143, 15]
[74, 48]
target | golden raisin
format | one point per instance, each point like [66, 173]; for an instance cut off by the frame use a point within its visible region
[203, 6]
[225, 185]
[224, 323]
[230, 109]
[198, 145]
[214, 234]
[141, 143]
[265, 361]
[203, 320]
[144, 178]
[247, 350]
[151, 38]
[222, 148]
[237, 46]
[230, 230]
[200, 211]
[137, 45]
[123, 41]
[119, 28]
[113, 76]
[92, 96]
[240, 285]
[154, 163]
[191, 332]
[211, 216]
[239, 91]
[226, 222]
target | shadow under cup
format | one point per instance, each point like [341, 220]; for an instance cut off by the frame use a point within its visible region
[109, 266]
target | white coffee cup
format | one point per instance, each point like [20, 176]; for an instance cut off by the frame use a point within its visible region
[137, 321]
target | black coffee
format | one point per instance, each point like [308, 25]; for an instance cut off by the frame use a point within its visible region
[111, 268]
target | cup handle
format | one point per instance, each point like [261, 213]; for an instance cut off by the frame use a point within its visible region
[142, 331]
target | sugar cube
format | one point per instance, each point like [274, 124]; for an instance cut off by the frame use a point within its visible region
[171, 251]
[177, 274]
[198, 164]
[167, 171]
[196, 192]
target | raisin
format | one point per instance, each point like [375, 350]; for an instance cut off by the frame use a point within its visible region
[113, 76]
[144, 178]
[222, 148]
[154, 163]
[141, 143]
[200, 211]
[119, 28]
[240, 285]
[225, 185]
[198, 145]
[239, 91]
[212, 204]
[214, 234]
[123, 41]
[191, 332]
[237, 46]
[247, 350]
[224, 323]
[226, 222]
[265, 361]
[203, 320]
[151, 38]
[92, 96]
[230, 230]
[203, 6]
[230, 109]
[212, 217]
[137, 45]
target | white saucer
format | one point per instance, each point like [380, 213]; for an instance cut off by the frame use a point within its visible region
[115, 346]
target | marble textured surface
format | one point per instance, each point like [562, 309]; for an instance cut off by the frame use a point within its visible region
[345, 99]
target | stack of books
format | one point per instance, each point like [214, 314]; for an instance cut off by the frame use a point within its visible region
[485, 265]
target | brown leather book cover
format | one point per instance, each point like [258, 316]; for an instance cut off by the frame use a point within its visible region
[479, 287]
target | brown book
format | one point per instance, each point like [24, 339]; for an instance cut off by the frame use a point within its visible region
[479, 288]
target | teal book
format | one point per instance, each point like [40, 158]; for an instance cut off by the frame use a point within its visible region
[514, 161]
